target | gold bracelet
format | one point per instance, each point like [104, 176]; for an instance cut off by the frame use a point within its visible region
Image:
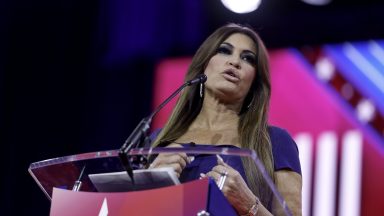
[253, 210]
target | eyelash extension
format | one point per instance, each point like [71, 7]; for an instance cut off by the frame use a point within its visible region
[250, 58]
[224, 50]
[246, 57]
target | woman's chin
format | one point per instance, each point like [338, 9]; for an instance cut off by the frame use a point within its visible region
[228, 94]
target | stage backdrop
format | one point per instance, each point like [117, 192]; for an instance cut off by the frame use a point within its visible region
[340, 156]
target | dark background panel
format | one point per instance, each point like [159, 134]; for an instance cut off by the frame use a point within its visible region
[76, 76]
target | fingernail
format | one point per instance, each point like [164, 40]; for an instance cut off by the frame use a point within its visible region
[190, 159]
[219, 158]
[202, 175]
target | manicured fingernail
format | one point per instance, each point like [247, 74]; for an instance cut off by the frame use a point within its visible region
[190, 159]
[219, 158]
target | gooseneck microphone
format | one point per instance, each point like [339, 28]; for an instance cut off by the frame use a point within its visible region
[201, 78]
[140, 133]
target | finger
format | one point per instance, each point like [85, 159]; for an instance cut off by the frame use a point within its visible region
[176, 167]
[163, 160]
[203, 175]
[220, 169]
[171, 158]
[214, 175]
[178, 159]
[182, 158]
[175, 145]
[218, 178]
[220, 161]
[185, 157]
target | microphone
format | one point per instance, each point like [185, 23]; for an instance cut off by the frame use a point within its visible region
[201, 78]
[140, 133]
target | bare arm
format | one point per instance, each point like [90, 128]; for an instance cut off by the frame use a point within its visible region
[241, 197]
[289, 185]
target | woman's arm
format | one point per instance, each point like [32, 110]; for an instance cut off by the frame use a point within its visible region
[236, 190]
[289, 185]
[241, 197]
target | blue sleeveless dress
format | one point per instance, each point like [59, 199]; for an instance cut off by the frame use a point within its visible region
[284, 150]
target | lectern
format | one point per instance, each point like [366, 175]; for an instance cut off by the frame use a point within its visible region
[65, 181]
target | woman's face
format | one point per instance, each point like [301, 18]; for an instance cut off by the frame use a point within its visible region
[231, 70]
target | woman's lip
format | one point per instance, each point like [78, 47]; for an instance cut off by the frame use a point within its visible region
[231, 72]
[231, 75]
[231, 78]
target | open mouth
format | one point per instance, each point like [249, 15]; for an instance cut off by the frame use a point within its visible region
[231, 75]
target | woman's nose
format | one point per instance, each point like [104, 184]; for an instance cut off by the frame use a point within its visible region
[235, 63]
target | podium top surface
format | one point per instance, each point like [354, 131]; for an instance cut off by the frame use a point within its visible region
[68, 171]
[63, 172]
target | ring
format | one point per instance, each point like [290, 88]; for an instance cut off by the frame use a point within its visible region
[223, 177]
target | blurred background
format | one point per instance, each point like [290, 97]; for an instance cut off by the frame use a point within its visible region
[78, 76]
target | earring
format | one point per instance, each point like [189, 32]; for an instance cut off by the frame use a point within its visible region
[250, 103]
[201, 90]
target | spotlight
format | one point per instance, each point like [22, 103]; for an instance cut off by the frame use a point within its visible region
[317, 2]
[241, 6]
[365, 110]
[325, 69]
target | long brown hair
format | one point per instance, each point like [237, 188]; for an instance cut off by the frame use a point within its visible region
[252, 128]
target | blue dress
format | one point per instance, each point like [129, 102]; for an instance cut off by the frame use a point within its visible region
[284, 150]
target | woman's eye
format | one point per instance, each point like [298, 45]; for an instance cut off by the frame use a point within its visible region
[224, 50]
[249, 58]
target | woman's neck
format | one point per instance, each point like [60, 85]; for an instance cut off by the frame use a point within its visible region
[216, 116]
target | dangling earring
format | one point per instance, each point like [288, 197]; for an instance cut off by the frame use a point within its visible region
[250, 103]
[201, 90]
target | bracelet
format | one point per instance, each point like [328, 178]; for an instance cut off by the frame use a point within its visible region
[253, 210]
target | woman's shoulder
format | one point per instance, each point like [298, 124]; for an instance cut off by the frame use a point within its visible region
[280, 136]
[278, 132]
[284, 149]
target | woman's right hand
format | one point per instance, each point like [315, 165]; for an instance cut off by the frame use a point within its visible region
[175, 160]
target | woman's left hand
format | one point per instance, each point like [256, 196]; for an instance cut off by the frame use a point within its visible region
[235, 189]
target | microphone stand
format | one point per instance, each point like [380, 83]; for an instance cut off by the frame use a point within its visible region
[140, 133]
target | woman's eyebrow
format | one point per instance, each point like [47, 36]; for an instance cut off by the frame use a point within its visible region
[250, 52]
[230, 45]
[227, 44]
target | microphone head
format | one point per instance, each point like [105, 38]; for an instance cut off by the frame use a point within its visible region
[203, 78]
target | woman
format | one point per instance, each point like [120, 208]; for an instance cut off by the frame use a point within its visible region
[231, 109]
